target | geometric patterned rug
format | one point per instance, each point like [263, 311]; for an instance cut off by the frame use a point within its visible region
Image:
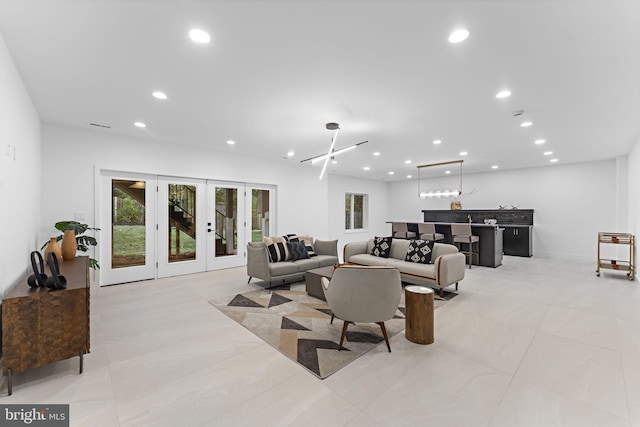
[297, 325]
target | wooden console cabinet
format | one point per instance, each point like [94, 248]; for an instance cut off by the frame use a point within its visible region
[42, 326]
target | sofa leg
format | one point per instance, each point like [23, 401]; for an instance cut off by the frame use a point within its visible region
[441, 293]
[456, 286]
[249, 280]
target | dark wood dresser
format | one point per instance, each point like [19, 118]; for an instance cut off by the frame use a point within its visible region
[42, 326]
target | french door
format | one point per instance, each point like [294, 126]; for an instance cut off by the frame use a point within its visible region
[226, 225]
[182, 234]
[128, 223]
[159, 226]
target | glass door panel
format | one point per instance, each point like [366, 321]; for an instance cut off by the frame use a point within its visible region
[262, 205]
[226, 232]
[127, 228]
[181, 228]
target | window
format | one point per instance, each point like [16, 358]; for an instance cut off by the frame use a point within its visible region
[355, 211]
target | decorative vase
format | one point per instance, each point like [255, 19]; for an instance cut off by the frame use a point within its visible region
[456, 206]
[54, 247]
[69, 245]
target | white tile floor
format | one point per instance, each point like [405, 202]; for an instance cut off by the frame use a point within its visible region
[535, 342]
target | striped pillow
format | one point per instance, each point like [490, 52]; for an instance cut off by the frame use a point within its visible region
[277, 249]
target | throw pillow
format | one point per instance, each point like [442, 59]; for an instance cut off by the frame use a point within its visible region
[381, 247]
[308, 242]
[277, 249]
[297, 250]
[419, 251]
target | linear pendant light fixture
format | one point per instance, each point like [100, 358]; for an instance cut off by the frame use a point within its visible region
[440, 193]
[336, 128]
[332, 151]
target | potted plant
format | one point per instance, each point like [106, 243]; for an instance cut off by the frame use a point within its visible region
[82, 241]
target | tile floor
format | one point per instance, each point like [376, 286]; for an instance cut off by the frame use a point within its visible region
[535, 342]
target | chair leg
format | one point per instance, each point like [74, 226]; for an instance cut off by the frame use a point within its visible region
[441, 293]
[384, 333]
[344, 332]
[333, 316]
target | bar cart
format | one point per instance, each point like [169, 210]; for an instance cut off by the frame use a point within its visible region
[614, 264]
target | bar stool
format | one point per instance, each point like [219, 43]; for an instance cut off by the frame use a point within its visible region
[427, 231]
[401, 231]
[462, 234]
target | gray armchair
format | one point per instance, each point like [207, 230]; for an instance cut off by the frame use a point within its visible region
[363, 294]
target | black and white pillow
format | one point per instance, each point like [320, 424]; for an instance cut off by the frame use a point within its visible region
[297, 250]
[308, 242]
[277, 249]
[419, 251]
[381, 247]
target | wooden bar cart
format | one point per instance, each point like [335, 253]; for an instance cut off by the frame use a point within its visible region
[614, 264]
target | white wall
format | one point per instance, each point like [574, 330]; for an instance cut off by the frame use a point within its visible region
[572, 203]
[377, 193]
[19, 174]
[633, 191]
[76, 153]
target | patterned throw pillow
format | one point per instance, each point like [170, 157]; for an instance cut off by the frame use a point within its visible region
[419, 251]
[297, 250]
[381, 247]
[277, 249]
[308, 242]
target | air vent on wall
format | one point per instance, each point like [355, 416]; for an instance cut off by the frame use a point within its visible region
[517, 113]
[100, 126]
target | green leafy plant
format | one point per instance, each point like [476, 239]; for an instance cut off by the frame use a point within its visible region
[82, 241]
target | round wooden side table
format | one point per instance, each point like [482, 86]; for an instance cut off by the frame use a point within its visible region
[418, 314]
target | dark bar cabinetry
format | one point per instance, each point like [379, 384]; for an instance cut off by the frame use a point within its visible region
[517, 237]
[517, 240]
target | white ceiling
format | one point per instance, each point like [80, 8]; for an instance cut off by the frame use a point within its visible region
[276, 71]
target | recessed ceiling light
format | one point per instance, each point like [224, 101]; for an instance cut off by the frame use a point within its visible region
[459, 35]
[407, 162]
[231, 142]
[366, 168]
[494, 167]
[199, 36]
[503, 94]
[447, 172]
[290, 154]
[159, 95]
[463, 153]
[539, 141]
[376, 153]
[409, 176]
[548, 153]
[553, 160]
[525, 124]
[335, 162]
[391, 172]
[140, 125]
[437, 141]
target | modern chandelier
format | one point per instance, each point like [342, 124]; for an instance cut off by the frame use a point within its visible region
[332, 151]
[440, 193]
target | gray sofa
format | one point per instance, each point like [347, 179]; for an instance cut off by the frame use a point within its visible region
[447, 267]
[260, 266]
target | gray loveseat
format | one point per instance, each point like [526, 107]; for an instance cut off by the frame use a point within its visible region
[447, 267]
[260, 266]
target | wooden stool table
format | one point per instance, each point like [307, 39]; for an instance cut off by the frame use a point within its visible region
[418, 314]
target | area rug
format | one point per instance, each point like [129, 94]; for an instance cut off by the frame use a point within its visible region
[298, 326]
